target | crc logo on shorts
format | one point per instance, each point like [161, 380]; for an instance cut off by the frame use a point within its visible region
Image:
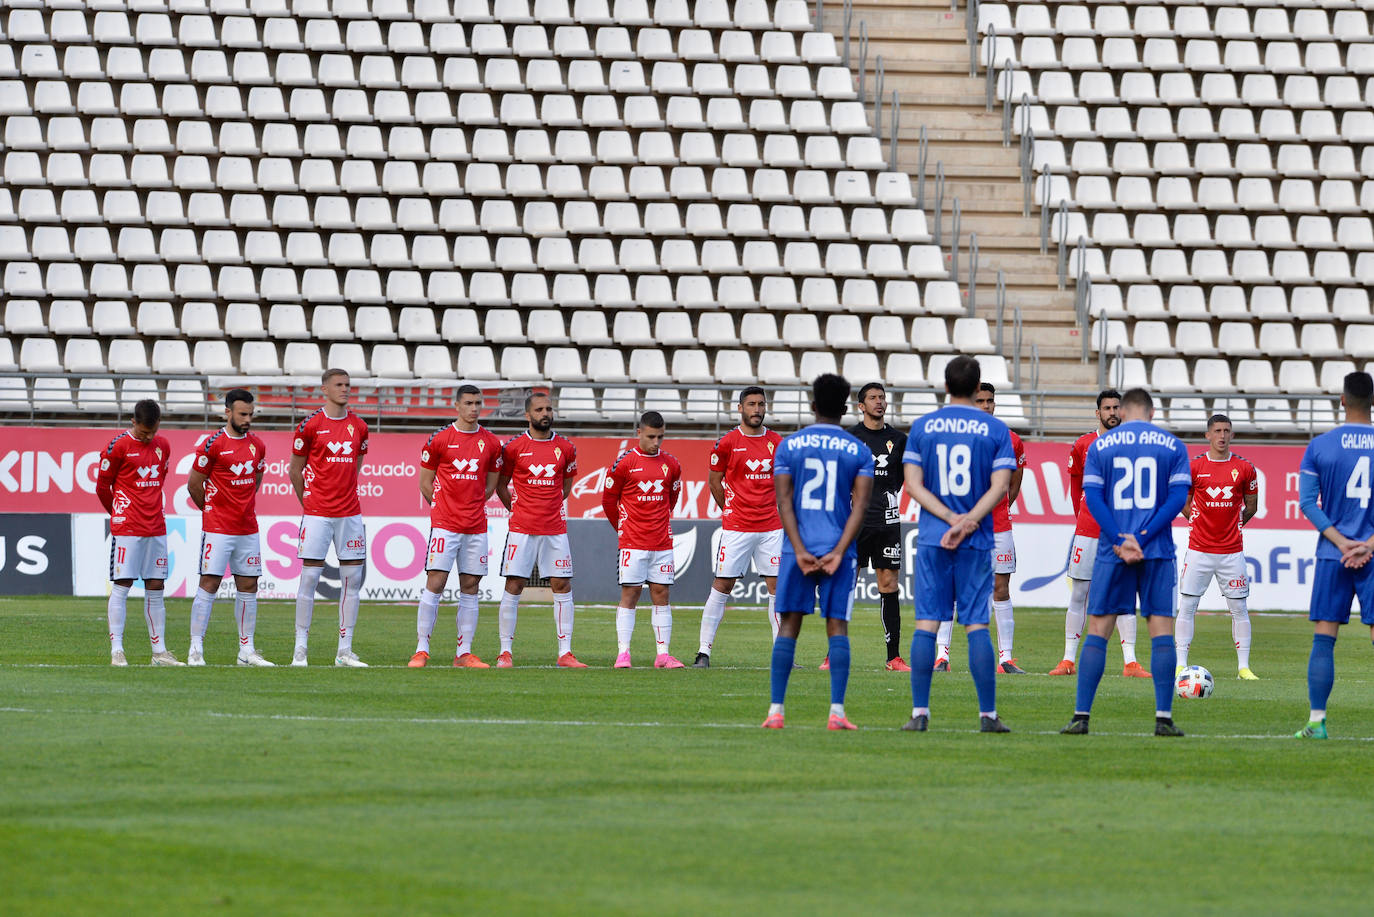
[300, 443]
[355, 543]
[775, 560]
[1005, 558]
[892, 552]
[203, 461]
[543, 471]
[340, 448]
[759, 464]
[563, 563]
[241, 468]
[1240, 583]
[650, 487]
[161, 563]
[665, 568]
[253, 560]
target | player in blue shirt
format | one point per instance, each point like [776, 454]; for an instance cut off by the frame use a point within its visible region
[823, 477]
[958, 464]
[1337, 469]
[1135, 481]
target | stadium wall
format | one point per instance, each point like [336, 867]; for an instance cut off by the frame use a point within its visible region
[48, 504]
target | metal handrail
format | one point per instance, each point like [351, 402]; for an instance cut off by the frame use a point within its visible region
[973, 274]
[1062, 255]
[971, 27]
[848, 14]
[1045, 211]
[922, 153]
[1009, 71]
[939, 199]
[863, 59]
[1016, 337]
[954, 243]
[990, 66]
[896, 110]
[1001, 305]
[878, 75]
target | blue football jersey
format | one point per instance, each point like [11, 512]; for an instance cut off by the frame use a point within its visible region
[823, 460]
[958, 448]
[1139, 464]
[1341, 461]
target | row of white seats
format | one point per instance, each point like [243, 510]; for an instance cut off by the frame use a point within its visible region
[362, 27]
[1212, 375]
[1233, 339]
[1229, 230]
[536, 218]
[480, 107]
[1182, 21]
[1256, 160]
[1222, 302]
[359, 176]
[97, 396]
[1277, 125]
[1199, 55]
[1209, 265]
[558, 364]
[486, 288]
[1218, 193]
[1174, 89]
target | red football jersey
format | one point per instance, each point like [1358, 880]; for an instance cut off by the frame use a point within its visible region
[1078, 456]
[537, 469]
[1001, 513]
[461, 462]
[641, 491]
[747, 462]
[230, 465]
[1219, 490]
[131, 478]
[332, 449]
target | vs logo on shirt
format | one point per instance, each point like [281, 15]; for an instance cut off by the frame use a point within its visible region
[340, 448]
[543, 471]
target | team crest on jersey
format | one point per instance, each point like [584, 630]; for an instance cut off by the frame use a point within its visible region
[889, 445]
[1235, 473]
[557, 452]
[770, 448]
[252, 449]
[665, 469]
[158, 451]
[481, 445]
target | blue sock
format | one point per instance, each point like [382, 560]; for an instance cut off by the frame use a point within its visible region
[1163, 661]
[839, 668]
[1321, 670]
[784, 653]
[982, 665]
[922, 662]
[1092, 662]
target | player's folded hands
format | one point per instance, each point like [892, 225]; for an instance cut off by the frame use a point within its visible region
[808, 563]
[1355, 555]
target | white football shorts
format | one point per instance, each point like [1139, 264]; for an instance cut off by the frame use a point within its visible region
[242, 554]
[737, 549]
[1199, 569]
[553, 553]
[1003, 553]
[468, 551]
[638, 566]
[345, 533]
[138, 557]
[1082, 553]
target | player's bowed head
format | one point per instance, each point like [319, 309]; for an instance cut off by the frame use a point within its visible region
[650, 430]
[147, 418]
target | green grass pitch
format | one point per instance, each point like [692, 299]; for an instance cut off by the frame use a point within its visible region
[544, 791]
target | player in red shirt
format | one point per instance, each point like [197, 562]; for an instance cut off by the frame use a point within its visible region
[326, 453]
[641, 489]
[224, 482]
[1003, 557]
[540, 465]
[459, 468]
[1083, 551]
[133, 469]
[741, 481]
[1224, 496]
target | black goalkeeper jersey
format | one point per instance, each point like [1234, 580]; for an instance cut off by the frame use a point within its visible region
[887, 445]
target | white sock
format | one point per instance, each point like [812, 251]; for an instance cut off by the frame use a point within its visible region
[305, 603]
[564, 613]
[1006, 629]
[1125, 629]
[1316, 716]
[837, 710]
[624, 628]
[1183, 626]
[919, 711]
[350, 595]
[1075, 617]
[246, 611]
[467, 622]
[774, 708]
[774, 621]
[712, 613]
[155, 611]
[201, 606]
[1240, 631]
[943, 637]
[425, 618]
[662, 619]
[117, 609]
[510, 605]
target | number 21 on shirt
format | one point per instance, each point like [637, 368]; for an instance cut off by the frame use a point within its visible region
[820, 474]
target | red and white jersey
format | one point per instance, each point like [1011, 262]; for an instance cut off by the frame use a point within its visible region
[461, 461]
[1078, 457]
[747, 461]
[332, 450]
[537, 469]
[1219, 491]
[131, 477]
[231, 465]
[1001, 513]
[641, 491]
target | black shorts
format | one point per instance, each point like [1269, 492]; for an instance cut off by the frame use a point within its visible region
[880, 546]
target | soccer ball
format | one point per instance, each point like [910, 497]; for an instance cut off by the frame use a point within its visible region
[1194, 681]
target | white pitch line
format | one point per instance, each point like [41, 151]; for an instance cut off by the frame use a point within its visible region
[325, 666]
[620, 724]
